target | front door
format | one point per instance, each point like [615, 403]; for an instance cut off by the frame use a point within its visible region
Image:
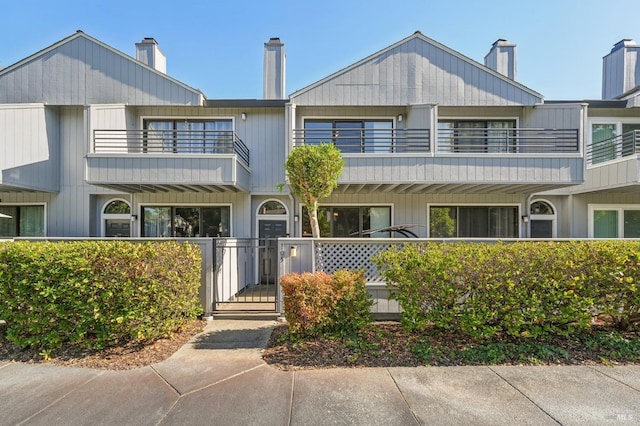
[268, 231]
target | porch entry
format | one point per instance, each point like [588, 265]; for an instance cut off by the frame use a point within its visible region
[245, 275]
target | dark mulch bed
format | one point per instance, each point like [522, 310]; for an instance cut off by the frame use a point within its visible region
[386, 344]
[126, 357]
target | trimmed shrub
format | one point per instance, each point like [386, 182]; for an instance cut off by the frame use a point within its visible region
[337, 305]
[96, 293]
[526, 289]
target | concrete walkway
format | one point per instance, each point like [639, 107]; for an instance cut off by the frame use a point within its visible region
[220, 379]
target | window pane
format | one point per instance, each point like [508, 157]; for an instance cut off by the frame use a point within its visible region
[485, 222]
[603, 146]
[377, 217]
[272, 207]
[500, 136]
[503, 222]
[540, 207]
[323, 222]
[159, 136]
[348, 136]
[632, 223]
[345, 222]
[186, 222]
[605, 224]
[156, 222]
[8, 228]
[628, 143]
[32, 221]
[117, 207]
[473, 222]
[377, 136]
[442, 222]
[317, 132]
[215, 222]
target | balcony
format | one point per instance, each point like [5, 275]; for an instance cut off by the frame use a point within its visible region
[482, 160]
[169, 161]
[615, 148]
[613, 164]
[508, 141]
[370, 141]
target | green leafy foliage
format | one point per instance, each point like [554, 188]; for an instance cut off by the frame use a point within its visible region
[321, 304]
[313, 172]
[96, 293]
[522, 289]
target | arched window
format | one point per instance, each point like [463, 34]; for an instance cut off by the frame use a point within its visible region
[272, 207]
[117, 207]
[542, 208]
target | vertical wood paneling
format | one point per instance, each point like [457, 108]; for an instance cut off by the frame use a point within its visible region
[82, 72]
[416, 72]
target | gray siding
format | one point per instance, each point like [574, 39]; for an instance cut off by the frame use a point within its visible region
[82, 71]
[554, 116]
[416, 71]
[616, 174]
[167, 169]
[482, 169]
[30, 150]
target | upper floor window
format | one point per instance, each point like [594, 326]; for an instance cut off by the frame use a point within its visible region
[189, 136]
[22, 221]
[476, 136]
[352, 136]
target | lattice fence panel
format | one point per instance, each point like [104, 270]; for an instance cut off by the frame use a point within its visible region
[333, 256]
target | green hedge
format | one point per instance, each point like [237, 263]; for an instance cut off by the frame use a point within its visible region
[320, 304]
[96, 293]
[522, 288]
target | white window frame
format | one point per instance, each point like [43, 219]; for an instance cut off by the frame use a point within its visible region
[517, 205]
[472, 118]
[391, 205]
[12, 204]
[178, 205]
[620, 208]
[355, 118]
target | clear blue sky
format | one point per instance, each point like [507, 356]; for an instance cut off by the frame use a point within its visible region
[217, 46]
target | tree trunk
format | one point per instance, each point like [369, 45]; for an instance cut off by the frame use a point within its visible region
[313, 218]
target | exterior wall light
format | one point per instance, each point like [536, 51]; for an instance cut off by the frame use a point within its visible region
[243, 116]
[293, 251]
[400, 118]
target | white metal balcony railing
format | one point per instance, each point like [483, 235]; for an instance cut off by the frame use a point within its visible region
[170, 142]
[624, 145]
[484, 140]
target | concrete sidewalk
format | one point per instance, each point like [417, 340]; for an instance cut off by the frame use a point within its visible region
[220, 379]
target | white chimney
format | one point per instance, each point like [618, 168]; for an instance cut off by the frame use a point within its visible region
[274, 69]
[502, 58]
[148, 52]
[620, 69]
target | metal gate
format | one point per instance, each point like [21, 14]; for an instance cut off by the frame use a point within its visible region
[246, 274]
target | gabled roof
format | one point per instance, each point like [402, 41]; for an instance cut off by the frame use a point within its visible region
[416, 70]
[57, 75]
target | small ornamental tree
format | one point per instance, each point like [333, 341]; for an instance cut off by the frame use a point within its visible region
[313, 174]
